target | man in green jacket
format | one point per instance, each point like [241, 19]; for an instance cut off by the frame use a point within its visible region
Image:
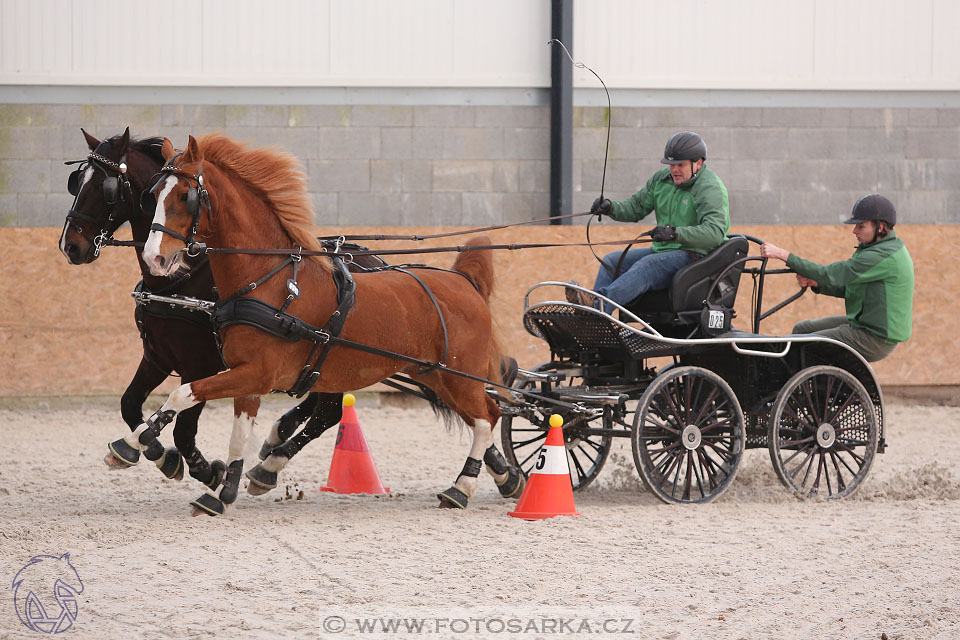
[876, 284]
[693, 216]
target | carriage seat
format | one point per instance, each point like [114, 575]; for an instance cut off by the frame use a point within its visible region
[682, 302]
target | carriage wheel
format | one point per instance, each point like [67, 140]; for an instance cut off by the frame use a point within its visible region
[522, 437]
[823, 433]
[688, 435]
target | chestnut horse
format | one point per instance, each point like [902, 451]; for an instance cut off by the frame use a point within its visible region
[107, 189]
[227, 195]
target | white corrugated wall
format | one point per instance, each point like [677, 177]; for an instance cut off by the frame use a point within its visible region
[689, 44]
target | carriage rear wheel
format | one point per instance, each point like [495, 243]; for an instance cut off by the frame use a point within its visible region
[823, 433]
[522, 437]
[688, 435]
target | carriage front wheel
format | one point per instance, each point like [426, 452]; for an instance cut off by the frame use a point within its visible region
[523, 435]
[688, 435]
[823, 433]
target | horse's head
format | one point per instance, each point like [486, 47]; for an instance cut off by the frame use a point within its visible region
[178, 200]
[103, 199]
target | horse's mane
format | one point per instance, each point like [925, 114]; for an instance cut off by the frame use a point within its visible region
[275, 175]
[150, 147]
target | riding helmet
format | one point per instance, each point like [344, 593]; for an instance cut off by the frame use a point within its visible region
[683, 146]
[873, 207]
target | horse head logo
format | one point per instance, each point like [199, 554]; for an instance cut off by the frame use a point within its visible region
[45, 593]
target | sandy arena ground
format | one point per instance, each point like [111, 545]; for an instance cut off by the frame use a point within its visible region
[755, 564]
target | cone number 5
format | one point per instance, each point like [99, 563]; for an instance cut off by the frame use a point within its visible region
[552, 460]
[542, 459]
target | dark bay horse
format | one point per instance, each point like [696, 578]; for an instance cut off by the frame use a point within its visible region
[224, 194]
[107, 190]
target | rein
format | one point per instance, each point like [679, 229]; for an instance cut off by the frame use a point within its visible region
[456, 233]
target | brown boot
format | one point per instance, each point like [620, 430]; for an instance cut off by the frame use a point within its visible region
[576, 296]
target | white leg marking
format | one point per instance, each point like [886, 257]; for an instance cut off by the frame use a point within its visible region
[275, 463]
[181, 398]
[482, 437]
[273, 438]
[242, 430]
[151, 248]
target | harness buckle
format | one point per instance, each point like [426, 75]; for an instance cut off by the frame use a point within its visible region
[297, 257]
[339, 242]
[324, 337]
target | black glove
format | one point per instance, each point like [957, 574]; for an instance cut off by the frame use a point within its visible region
[601, 206]
[664, 234]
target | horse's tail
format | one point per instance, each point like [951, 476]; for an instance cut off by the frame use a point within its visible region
[478, 266]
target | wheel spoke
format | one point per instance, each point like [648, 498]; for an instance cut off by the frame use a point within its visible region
[853, 453]
[695, 462]
[796, 442]
[802, 420]
[826, 472]
[841, 485]
[687, 479]
[584, 452]
[843, 462]
[581, 474]
[805, 462]
[846, 403]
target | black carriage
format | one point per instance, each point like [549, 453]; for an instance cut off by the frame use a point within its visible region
[692, 393]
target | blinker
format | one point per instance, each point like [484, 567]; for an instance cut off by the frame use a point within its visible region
[193, 202]
[73, 181]
[111, 189]
[148, 202]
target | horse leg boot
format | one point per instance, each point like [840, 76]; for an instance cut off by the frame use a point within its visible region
[328, 412]
[509, 480]
[282, 429]
[244, 413]
[144, 437]
[122, 455]
[185, 438]
[465, 487]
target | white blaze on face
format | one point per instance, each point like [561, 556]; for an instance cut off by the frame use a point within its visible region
[151, 248]
[63, 236]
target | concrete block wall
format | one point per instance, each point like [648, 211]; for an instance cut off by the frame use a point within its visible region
[792, 166]
[402, 165]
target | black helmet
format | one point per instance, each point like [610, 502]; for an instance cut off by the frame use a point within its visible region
[873, 207]
[683, 146]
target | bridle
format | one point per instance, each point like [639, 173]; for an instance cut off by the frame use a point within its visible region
[116, 188]
[197, 198]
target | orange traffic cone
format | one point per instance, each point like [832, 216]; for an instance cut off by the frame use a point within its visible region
[548, 492]
[352, 469]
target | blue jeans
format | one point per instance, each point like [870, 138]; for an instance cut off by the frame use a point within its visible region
[642, 270]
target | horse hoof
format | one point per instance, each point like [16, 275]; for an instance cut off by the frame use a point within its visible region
[208, 504]
[261, 480]
[453, 498]
[114, 463]
[124, 455]
[513, 484]
[171, 464]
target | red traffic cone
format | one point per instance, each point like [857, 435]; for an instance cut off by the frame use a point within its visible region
[352, 469]
[548, 492]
